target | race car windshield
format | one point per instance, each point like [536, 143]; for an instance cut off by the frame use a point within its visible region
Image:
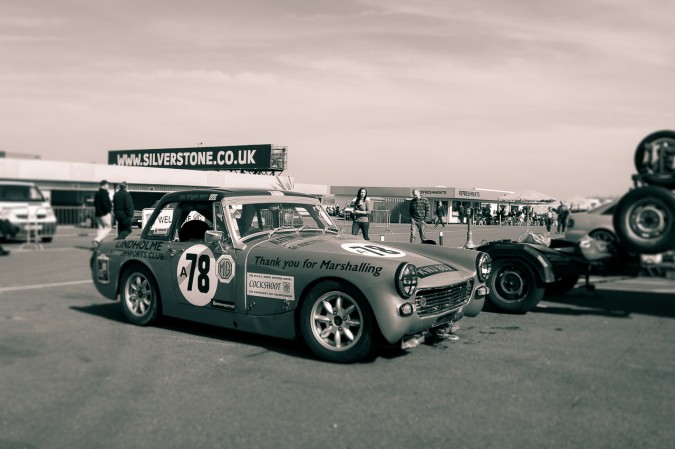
[249, 219]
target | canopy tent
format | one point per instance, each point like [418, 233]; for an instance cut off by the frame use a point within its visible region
[527, 196]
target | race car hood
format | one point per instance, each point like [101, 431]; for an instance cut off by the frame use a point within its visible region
[352, 256]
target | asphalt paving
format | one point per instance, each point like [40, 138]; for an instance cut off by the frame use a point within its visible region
[593, 368]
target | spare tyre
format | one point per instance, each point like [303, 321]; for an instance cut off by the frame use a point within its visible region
[644, 220]
[655, 159]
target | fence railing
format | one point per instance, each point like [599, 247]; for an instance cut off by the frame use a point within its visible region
[75, 216]
[378, 218]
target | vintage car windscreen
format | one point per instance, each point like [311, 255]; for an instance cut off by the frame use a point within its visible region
[250, 218]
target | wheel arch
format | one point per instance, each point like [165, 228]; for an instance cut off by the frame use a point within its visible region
[129, 264]
[311, 285]
[540, 266]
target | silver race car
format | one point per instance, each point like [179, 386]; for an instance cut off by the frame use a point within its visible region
[273, 263]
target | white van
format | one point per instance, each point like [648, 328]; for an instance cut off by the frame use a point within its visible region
[24, 205]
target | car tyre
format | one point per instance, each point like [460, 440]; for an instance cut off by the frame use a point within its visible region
[337, 324]
[513, 286]
[139, 296]
[644, 220]
[656, 165]
[562, 286]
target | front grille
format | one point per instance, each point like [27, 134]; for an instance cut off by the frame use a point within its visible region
[433, 301]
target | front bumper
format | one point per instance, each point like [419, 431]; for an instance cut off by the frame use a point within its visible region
[432, 307]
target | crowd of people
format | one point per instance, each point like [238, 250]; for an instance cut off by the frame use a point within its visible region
[419, 212]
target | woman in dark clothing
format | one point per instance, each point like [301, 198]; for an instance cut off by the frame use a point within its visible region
[361, 213]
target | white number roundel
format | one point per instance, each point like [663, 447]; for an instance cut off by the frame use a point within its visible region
[196, 274]
[373, 250]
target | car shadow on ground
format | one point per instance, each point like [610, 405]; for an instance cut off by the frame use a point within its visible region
[613, 304]
[294, 348]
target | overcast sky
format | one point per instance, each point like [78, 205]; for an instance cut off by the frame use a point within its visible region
[497, 94]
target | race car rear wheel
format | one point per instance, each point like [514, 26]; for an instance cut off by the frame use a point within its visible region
[644, 220]
[337, 323]
[513, 286]
[655, 159]
[139, 296]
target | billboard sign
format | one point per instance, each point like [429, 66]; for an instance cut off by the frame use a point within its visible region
[237, 157]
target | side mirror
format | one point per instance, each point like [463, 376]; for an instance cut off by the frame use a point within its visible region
[213, 236]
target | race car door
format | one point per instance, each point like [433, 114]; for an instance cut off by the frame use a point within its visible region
[201, 265]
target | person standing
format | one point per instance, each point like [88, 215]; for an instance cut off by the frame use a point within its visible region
[102, 212]
[440, 213]
[419, 211]
[461, 212]
[564, 215]
[548, 221]
[123, 207]
[361, 213]
[563, 212]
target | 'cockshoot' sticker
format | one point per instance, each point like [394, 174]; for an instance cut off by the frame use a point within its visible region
[270, 286]
[196, 274]
[371, 249]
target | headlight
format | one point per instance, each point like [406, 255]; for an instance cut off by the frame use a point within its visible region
[406, 280]
[483, 266]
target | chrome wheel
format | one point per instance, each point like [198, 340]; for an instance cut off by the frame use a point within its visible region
[139, 296]
[336, 321]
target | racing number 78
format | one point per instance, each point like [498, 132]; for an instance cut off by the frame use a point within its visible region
[203, 263]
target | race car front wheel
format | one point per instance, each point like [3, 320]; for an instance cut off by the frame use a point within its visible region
[139, 296]
[644, 220]
[337, 323]
[513, 286]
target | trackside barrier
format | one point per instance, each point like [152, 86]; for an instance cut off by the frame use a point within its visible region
[377, 219]
[74, 216]
[381, 218]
